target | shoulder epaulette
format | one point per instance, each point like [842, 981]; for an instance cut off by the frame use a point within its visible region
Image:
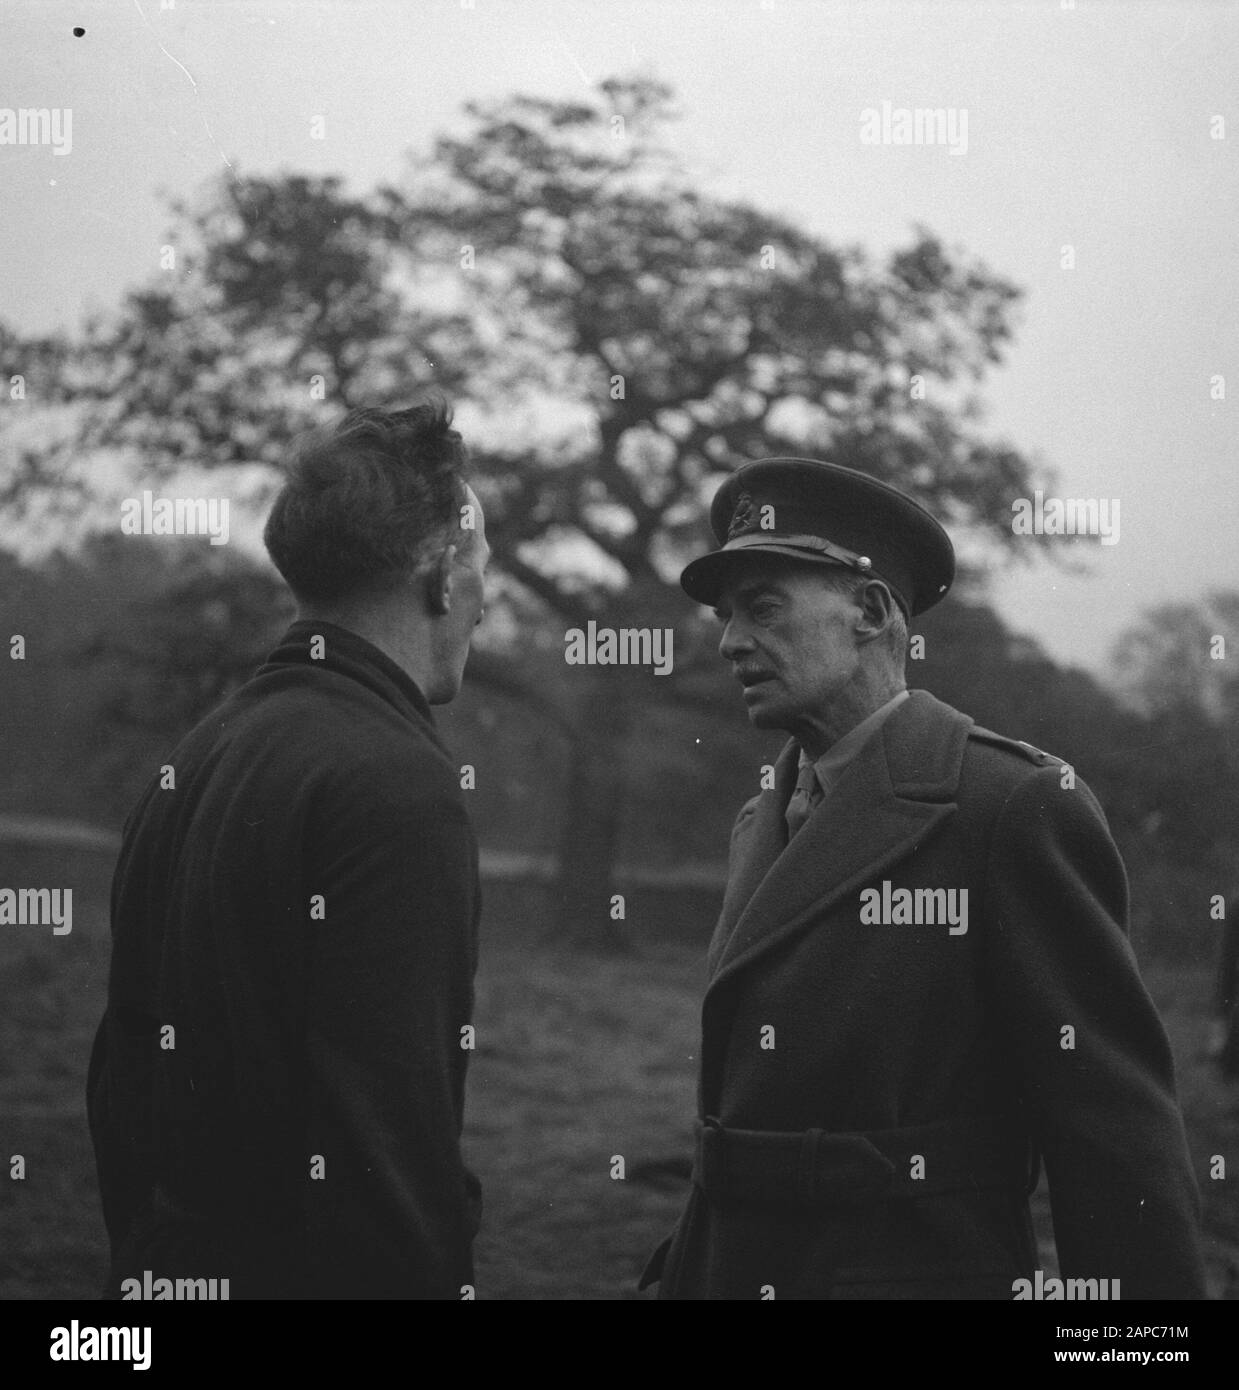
[1014, 745]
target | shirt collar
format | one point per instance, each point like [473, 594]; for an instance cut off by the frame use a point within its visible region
[829, 767]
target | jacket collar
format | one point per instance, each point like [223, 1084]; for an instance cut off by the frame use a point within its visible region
[897, 789]
[348, 654]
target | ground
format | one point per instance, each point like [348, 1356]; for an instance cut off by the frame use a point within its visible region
[581, 1062]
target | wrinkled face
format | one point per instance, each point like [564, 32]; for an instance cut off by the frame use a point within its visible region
[467, 599]
[789, 638]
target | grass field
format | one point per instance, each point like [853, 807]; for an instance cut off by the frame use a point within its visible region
[579, 1060]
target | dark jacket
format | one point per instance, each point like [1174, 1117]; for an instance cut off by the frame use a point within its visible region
[276, 1089]
[870, 1093]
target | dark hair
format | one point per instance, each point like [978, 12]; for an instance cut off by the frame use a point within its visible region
[366, 500]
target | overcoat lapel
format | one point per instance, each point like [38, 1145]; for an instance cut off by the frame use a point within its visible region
[757, 841]
[891, 796]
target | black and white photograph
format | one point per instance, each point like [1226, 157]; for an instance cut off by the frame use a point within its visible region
[619, 669]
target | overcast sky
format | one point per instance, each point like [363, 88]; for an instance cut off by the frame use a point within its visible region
[1091, 125]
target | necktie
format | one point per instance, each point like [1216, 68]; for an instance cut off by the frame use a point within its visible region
[803, 800]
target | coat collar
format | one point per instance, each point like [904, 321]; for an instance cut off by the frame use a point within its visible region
[897, 789]
[346, 653]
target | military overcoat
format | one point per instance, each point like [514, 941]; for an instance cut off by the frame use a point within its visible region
[883, 1072]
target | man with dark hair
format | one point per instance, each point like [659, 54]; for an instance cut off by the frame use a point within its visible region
[920, 978]
[276, 1089]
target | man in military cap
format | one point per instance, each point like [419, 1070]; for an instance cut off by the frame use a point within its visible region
[920, 984]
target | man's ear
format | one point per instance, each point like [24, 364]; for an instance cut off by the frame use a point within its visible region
[877, 607]
[439, 583]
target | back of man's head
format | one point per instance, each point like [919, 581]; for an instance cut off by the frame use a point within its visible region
[367, 502]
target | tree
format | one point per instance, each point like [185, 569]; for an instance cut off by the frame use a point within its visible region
[1182, 656]
[620, 340]
[1177, 667]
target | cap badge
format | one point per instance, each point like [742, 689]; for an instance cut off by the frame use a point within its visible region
[742, 517]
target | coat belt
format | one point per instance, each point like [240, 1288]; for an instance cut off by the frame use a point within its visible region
[817, 1167]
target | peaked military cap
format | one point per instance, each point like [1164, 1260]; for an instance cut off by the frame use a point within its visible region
[826, 514]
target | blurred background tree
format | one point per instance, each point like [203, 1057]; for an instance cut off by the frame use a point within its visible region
[616, 340]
